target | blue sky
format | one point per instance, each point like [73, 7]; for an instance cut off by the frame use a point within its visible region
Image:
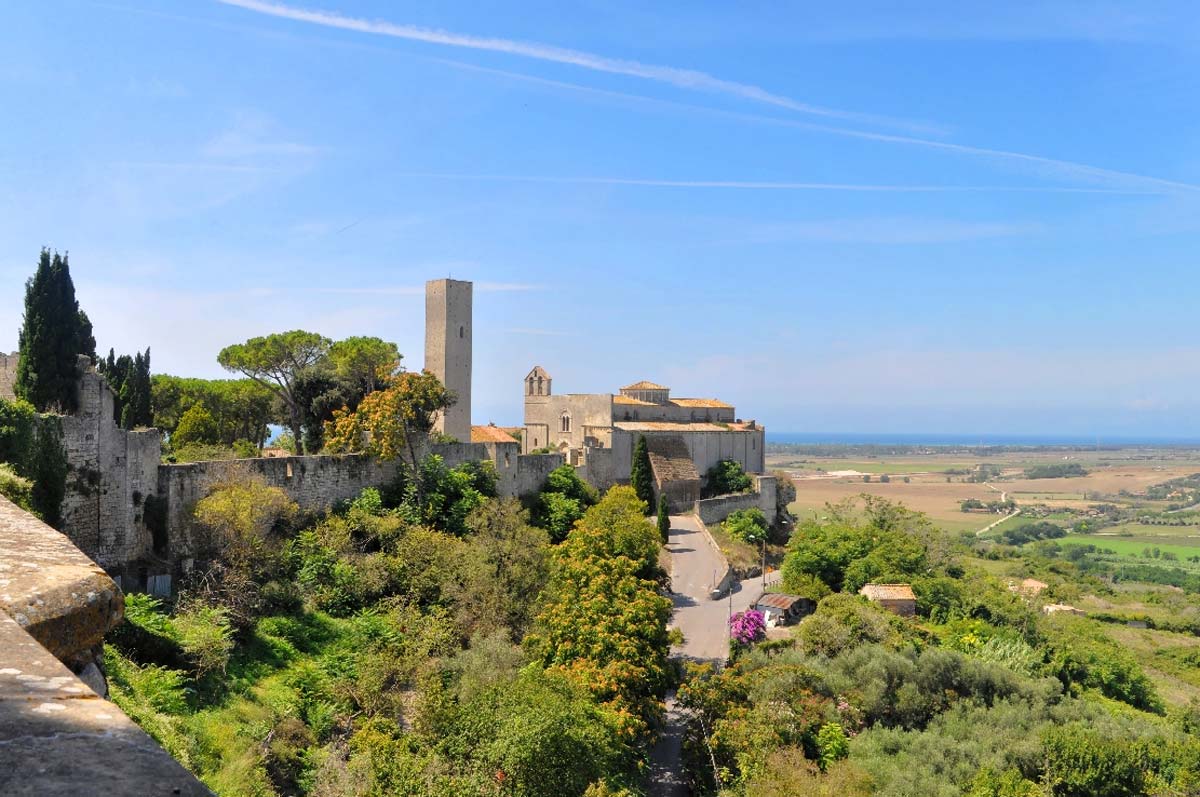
[861, 217]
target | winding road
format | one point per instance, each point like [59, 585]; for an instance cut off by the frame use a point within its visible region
[696, 567]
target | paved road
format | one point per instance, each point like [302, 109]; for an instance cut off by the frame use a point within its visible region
[695, 569]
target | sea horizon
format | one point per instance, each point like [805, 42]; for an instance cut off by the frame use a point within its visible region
[964, 439]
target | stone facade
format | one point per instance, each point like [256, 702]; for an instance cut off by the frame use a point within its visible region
[596, 432]
[448, 350]
[675, 475]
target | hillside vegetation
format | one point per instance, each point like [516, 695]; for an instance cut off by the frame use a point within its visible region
[424, 641]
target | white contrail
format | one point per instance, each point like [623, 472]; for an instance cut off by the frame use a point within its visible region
[683, 78]
[693, 80]
[766, 185]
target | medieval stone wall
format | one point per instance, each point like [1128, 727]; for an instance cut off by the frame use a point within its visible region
[111, 472]
[715, 510]
[8, 375]
[316, 483]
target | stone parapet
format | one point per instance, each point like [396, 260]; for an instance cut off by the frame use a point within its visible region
[58, 736]
[62, 598]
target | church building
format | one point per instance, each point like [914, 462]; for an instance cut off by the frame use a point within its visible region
[597, 432]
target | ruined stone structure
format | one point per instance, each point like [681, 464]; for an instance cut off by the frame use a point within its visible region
[596, 432]
[448, 350]
[112, 473]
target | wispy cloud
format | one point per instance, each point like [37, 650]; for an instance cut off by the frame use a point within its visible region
[897, 231]
[690, 79]
[419, 290]
[545, 333]
[769, 185]
[507, 287]
[253, 135]
[1130, 182]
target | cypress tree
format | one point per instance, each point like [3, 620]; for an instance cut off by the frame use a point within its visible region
[639, 472]
[53, 333]
[664, 520]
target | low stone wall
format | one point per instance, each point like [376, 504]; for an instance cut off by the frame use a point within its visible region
[715, 510]
[58, 736]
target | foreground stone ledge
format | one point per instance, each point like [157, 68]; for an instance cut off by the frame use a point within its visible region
[52, 589]
[58, 737]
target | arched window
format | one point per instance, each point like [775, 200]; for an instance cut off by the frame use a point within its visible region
[531, 385]
[539, 386]
[566, 421]
[460, 332]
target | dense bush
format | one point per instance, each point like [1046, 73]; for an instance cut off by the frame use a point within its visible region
[850, 550]
[747, 525]
[15, 488]
[562, 501]
[727, 476]
[1055, 471]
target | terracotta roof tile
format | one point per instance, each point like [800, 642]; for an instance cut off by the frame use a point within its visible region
[888, 592]
[701, 402]
[619, 399]
[644, 385]
[667, 426]
[491, 434]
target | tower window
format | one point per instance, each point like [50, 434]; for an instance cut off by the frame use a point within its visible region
[460, 332]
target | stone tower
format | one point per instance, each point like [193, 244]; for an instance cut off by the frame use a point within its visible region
[448, 350]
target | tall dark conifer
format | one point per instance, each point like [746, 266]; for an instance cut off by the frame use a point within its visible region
[640, 475]
[54, 332]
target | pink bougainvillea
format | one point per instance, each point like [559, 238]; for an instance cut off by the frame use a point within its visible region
[748, 627]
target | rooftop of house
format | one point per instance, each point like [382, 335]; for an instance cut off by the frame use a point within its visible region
[888, 592]
[492, 434]
[696, 426]
[779, 600]
[644, 385]
[678, 402]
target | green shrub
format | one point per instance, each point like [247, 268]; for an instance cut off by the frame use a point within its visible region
[147, 636]
[244, 449]
[727, 476]
[747, 525]
[196, 426]
[1083, 763]
[18, 421]
[47, 467]
[206, 636]
[15, 488]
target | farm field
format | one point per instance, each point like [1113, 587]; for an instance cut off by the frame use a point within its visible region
[935, 498]
[936, 484]
[1134, 546]
[872, 465]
